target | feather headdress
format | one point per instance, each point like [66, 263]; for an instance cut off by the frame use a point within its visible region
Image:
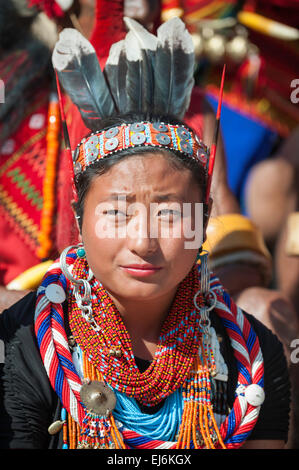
[143, 72]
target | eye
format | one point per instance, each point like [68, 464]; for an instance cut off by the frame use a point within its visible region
[169, 213]
[115, 213]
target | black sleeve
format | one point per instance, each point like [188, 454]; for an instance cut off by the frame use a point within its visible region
[29, 404]
[273, 421]
[21, 313]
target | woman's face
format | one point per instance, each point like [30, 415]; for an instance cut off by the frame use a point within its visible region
[137, 219]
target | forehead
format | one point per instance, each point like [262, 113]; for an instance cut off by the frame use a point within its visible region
[148, 175]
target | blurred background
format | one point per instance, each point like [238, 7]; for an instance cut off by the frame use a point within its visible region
[253, 233]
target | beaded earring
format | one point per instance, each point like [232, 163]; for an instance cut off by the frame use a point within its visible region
[204, 291]
[81, 287]
[208, 302]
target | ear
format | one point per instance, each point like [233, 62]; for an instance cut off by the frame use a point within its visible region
[79, 236]
[73, 204]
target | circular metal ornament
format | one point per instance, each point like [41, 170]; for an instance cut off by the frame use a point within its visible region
[92, 155]
[92, 141]
[111, 132]
[77, 168]
[76, 154]
[198, 141]
[98, 398]
[254, 395]
[90, 147]
[159, 126]
[185, 147]
[201, 156]
[65, 270]
[111, 144]
[163, 139]
[183, 133]
[137, 127]
[138, 138]
[211, 306]
[55, 293]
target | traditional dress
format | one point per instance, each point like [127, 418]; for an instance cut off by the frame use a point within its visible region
[205, 387]
[30, 404]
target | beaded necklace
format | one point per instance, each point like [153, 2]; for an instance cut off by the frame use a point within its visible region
[176, 350]
[198, 427]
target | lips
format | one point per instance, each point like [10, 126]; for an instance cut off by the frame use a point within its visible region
[142, 266]
[141, 270]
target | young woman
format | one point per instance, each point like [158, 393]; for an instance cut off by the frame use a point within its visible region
[133, 344]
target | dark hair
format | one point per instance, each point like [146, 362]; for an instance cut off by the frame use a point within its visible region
[177, 159]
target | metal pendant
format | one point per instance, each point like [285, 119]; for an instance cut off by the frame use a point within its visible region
[55, 427]
[98, 397]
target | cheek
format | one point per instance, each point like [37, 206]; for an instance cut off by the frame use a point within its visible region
[100, 246]
[179, 258]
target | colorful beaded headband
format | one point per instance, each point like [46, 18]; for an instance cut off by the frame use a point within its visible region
[139, 134]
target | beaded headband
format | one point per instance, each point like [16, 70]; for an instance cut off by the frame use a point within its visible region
[139, 134]
[143, 73]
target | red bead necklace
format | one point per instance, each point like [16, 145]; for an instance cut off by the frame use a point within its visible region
[110, 349]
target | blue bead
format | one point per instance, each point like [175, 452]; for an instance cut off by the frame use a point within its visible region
[81, 252]
[63, 414]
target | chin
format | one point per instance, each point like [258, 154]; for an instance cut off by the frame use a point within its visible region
[141, 290]
[137, 290]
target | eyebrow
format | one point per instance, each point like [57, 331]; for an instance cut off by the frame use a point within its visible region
[158, 197]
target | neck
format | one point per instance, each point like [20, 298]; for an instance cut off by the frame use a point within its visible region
[143, 320]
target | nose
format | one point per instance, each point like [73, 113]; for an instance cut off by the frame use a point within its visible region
[140, 240]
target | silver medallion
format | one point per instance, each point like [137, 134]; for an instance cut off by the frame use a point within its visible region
[159, 126]
[183, 133]
[55, 293]
[98, 397]
[77, 168]
[163, 139]
[137, 127]
[138, 138]
[186, 147]
[111, 144]
[111, 132]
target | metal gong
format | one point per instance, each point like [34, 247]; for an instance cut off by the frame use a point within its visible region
[98, 397]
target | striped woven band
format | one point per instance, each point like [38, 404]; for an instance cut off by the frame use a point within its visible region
[57, 358]
[139, 134]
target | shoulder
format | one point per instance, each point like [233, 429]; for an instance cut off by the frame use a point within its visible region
[19, 314]
[273, 419]
[28, 399]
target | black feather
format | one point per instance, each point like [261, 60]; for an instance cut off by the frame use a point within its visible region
[134, 77]
[81, 76]
[174, 68]
[116, 73]
[147, 44]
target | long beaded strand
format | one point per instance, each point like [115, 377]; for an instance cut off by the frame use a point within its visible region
[198, 421]
[53, 146]
[77, 439]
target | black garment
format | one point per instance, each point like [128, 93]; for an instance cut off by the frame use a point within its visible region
[29, 404]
